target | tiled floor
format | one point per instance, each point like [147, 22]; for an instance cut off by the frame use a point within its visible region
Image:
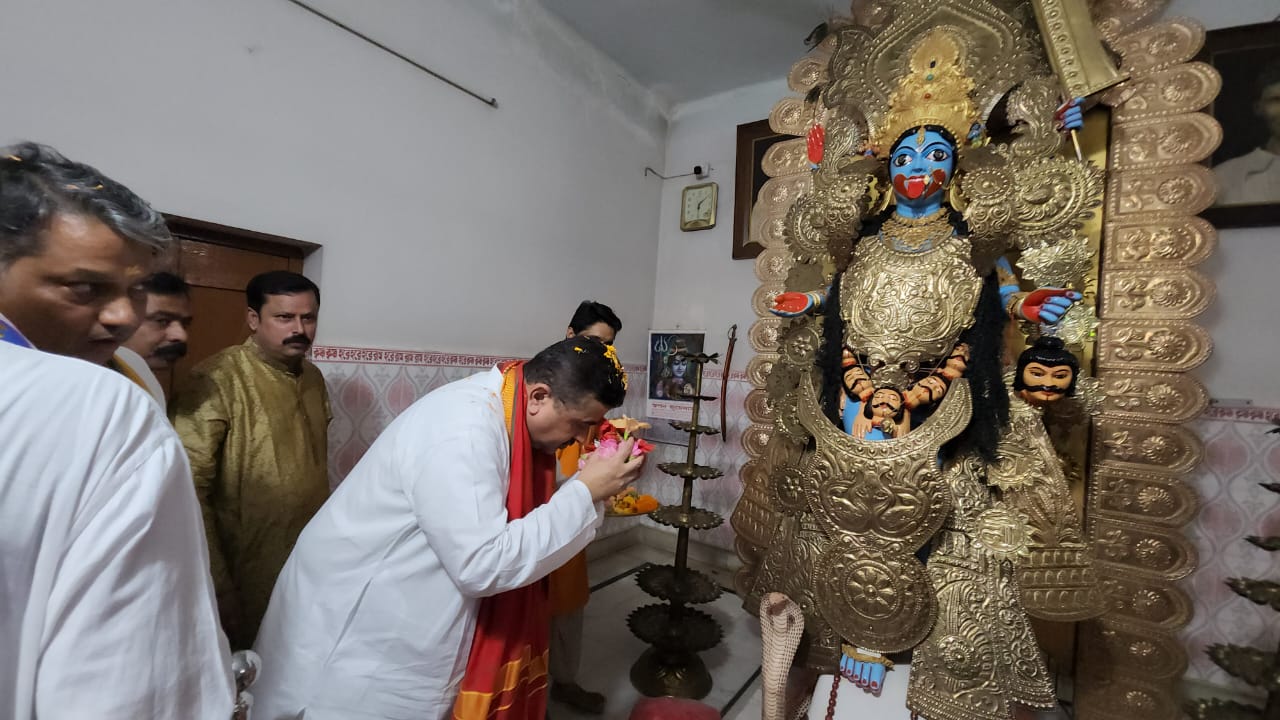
[609, 648]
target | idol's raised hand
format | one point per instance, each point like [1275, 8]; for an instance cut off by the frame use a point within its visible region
[795, 304]
[1069, 116]
[1048, 305]
[815, 145]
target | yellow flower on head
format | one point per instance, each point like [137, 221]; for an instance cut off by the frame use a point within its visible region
[612, 353]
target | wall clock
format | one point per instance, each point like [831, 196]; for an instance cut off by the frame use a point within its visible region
[698, 207]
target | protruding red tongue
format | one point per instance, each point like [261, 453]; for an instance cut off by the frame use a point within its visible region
[915, 187]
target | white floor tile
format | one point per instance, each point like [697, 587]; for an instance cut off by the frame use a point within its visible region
[611, 566]
[750, 706]
[609, 648]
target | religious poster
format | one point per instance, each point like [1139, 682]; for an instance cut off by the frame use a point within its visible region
[671, 376]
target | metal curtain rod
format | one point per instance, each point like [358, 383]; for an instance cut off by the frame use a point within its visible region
[491, 102]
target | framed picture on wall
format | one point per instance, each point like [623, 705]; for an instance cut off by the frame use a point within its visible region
[671, 376]
[1247, 163]
[754, 138]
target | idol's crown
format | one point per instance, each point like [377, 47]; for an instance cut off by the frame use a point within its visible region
[935, 91]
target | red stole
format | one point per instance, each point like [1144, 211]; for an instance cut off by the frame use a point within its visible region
[506, 676]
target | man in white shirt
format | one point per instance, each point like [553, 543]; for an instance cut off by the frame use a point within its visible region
[1254, 178]
[383, 604]
[74, 248]
[106, 604]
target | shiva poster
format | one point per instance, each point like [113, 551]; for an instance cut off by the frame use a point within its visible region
[671, 375]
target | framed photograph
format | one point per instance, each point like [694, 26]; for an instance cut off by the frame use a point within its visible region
[754, 139]
[1247, 163]
[670, 374]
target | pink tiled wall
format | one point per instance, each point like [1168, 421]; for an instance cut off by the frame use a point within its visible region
[1239, 454]
[370, 387]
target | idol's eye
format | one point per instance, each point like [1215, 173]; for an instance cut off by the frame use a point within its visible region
[901, 160]
[938, 155]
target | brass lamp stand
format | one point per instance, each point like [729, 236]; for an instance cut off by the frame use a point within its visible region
[676, 631]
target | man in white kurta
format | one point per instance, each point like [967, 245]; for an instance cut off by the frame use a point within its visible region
[374, 613]
[106, 604]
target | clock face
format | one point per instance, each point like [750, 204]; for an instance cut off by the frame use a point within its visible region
[698, 208]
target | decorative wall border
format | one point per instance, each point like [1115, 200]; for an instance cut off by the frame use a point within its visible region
[382, 356]
[1243, 414]
[379, 356]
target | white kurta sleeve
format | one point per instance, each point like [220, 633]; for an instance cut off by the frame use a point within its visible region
[131, 628]
[459, 492]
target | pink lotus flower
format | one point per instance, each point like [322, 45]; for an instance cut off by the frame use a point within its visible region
[608, 439]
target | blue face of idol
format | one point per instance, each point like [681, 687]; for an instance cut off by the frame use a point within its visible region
[920, 168]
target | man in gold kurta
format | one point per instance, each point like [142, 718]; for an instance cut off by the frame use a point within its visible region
[254, 419]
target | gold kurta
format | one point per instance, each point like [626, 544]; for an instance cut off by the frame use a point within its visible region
[256, 434]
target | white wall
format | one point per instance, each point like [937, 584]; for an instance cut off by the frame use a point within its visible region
[446, 224]
[1215, 14]
[1242, 318]
[699, 286]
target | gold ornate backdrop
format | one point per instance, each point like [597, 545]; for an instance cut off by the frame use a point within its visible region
[1129, 662]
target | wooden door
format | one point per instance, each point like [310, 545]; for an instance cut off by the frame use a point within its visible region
[218, 261]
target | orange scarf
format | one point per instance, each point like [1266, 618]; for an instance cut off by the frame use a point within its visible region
[568, 587]
[506, 676]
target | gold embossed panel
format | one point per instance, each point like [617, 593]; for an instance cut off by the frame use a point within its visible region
[1102, 693]
[1115, 19]
[1160, 346]
[773, 264]
[767, 229]
[1173, 293]
[1130, 661]
[1180, 189]
[759, 367]
[1164, 44]
[886, 602]
[790, 117]
[1172, 91]
[1162, 142]
[1145, 446]
[1141, 549]
[1176, 240]
[780, 192]
[807, 73]
[764, 333]
[1134, 647]
[1158, 607]
[785, 158]
[1157, 498]
[763, 297]
[1152, 396]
